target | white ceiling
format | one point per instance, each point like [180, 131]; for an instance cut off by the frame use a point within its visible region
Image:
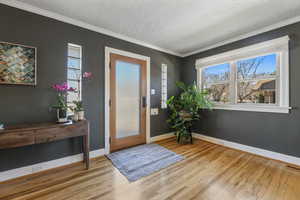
[178, 26]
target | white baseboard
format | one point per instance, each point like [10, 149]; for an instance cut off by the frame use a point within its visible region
[254, 150]
[23, 171]
[162, 137]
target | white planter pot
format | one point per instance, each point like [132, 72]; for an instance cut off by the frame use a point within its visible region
[80, 115]
[75, 117]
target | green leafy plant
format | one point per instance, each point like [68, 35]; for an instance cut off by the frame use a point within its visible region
[184, 109]
[78, 106]
[61, 103]
[62, 90]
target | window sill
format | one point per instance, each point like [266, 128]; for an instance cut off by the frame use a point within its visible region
[254, 108]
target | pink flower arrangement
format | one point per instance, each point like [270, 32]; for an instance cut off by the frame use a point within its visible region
[87, 75]
[63, 87]
[62, 90]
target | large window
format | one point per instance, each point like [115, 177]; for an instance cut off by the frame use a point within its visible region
[253, 78]
[74, 72]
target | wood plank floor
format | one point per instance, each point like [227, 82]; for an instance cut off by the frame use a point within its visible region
[209, 172]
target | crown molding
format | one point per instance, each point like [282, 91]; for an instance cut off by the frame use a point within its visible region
[244, 36]
[59, 17]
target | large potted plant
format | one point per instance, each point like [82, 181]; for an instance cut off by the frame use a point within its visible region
[184, 110]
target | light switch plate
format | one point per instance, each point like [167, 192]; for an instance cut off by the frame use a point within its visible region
[152, 91]
[154, 111]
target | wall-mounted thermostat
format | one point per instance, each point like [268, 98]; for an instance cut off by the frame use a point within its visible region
[152, 91]
[154, 111]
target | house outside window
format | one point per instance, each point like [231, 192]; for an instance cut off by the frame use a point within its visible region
[253, 78]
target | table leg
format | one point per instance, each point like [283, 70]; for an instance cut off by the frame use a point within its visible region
[86, 150]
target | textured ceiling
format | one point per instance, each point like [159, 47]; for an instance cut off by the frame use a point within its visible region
[181, 26]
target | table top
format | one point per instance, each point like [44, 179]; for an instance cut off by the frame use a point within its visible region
[33, 126]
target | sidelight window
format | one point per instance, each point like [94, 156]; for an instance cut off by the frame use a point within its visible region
[74, 72]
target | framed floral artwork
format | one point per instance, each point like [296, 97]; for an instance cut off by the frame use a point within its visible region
[17, 64]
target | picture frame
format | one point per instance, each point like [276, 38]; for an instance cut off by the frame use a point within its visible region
[18, 64]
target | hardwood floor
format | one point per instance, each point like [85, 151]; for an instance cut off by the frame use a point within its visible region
[209, 172]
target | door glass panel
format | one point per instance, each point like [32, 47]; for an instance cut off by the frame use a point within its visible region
[127, 99]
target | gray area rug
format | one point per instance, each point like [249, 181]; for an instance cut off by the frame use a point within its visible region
[143, 160]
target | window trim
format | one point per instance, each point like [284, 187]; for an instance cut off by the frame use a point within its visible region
[280, 47]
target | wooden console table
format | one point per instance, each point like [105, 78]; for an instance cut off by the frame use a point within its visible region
[29, 134]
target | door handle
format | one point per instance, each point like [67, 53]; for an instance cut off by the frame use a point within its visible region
[144, 101]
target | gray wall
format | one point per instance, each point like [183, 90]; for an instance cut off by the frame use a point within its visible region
[25, 104]
[271, 131]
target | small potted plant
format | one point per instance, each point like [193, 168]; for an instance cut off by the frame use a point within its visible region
[78, 108]
[78, 111]
[61, 105]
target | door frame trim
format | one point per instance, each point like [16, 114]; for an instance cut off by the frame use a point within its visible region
[108, 51]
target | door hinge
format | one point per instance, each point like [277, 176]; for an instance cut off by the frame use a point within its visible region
[109, 140]
[109, 103]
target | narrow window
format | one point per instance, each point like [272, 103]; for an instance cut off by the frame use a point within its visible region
[74, 72]
[164, 85]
